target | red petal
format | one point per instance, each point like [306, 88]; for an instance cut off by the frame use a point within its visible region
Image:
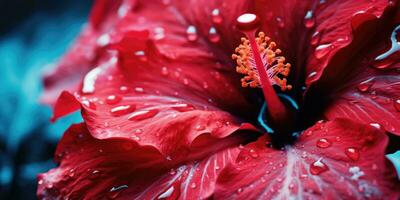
[160, 92]
[372, 91]
[341, 31]
[334, 160]
[65, 105]
[94, 169]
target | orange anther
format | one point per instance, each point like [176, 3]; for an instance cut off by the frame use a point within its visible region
[275, 65]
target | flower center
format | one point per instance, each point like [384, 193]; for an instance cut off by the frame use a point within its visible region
[263, 66]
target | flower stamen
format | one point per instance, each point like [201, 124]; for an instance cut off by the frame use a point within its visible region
[275, 65]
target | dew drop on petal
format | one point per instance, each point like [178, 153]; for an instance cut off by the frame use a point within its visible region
[281, 23]
[396, 104]
[315, 38]
[103, 40]
[143, 114]
[253, 153]
[323, 143]
[365, 85]
[376, 125]
[122, 110]
[193, 185]
[309, 19]
[115, 191]
[318, 167]
[183, 107]
[90, 80]
[113, 99]
[167, 193]
[213, 36]
[164, 71]
[88, 104]
[141, 55]
[191, 33]
[323, 50]
[200, 127]
[352, 153]
[216, 16]
[123, 89]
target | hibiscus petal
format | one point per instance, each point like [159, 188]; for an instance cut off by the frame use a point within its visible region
[339, 159]
[114, 168]
[160, 92]
[372, 91]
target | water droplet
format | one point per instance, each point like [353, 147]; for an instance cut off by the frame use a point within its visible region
[141, 55]
[88, 104]
[113, 99]
[193, 185]
[94, 174]
[216, 16]
[323, 50]
[135, 137]
[323, 143]
[352, 153]
[239, 190]
[143, 114]
[280, 21]
[365, 85]
[315, 38]
[318, 167]
[387, 58]
[159, 33]
[115, 191]
[396, 104]
[166, 193]
[164, 71]
[185, 81]
[90, 80]
[312, 74]
[103, 40]
[124, 89]
[376, 125]
[200, 127]
[309, 19]
[253, 153]
[205, 85]
[183, 107]
[191, 33]
[122, 110]
[213, 36]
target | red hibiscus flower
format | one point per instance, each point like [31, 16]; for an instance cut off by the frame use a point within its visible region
[166, 116]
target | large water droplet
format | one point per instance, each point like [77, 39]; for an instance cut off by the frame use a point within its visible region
[113, 99]
[122, 110]
[323, 143]
[323, 50]
[183, 107]
[352, 153]
[216, 16]
[213, 36]
[309, 19]
[396, 104]
[387, 58]
[365, 85]
[143, 114]
[90, 80]
[191, 33]
[318, 167]
[115, 191]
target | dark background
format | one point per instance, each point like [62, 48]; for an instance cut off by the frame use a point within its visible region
[33, 34]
